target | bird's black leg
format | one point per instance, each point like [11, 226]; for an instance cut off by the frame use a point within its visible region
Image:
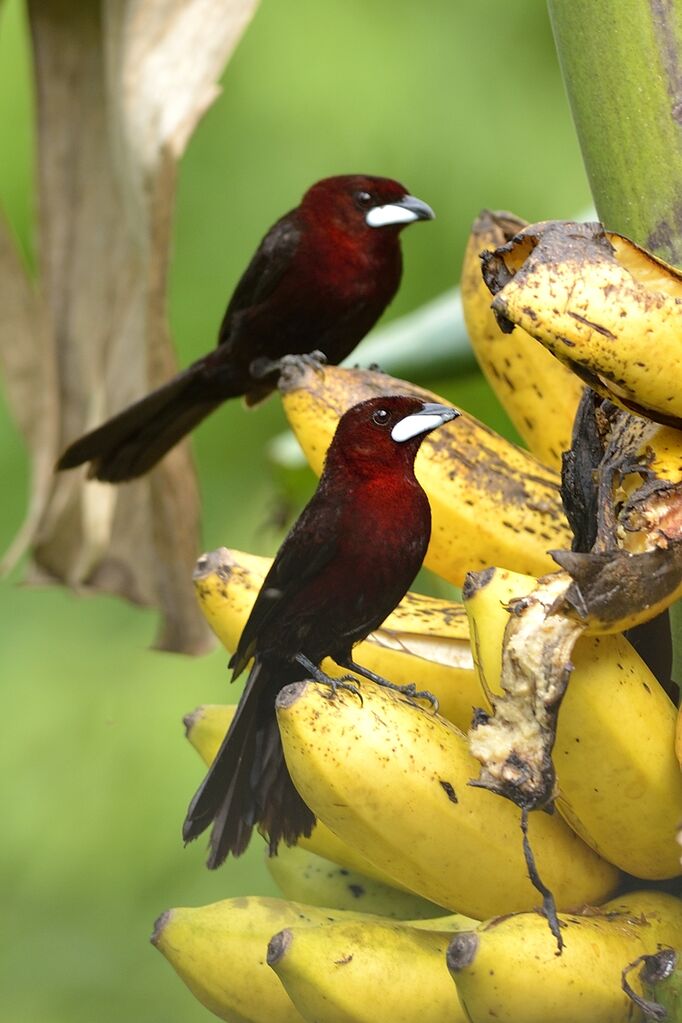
[410, 690]
[345, 682]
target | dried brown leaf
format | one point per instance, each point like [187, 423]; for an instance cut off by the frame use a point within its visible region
[120, 87]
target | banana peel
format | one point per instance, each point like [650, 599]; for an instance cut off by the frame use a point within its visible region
[602, 305]
[623, 495]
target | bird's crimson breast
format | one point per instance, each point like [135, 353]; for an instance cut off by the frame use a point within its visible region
[383, 536]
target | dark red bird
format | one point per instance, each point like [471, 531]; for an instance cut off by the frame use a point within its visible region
[319, 280]
[347, 561]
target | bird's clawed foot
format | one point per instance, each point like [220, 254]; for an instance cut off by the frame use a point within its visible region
[346, 682]
[316, 360]
[413, 694]
[293, 368]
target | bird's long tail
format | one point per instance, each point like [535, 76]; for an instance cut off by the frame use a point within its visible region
[248, 783]
[134, 440]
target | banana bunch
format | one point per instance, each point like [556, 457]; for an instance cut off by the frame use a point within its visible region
[526, 378]
[619, 783]
[506, 970]
[425, 639]
[491, 502]
[403, 837]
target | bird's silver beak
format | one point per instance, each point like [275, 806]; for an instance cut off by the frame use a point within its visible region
[428, 418]
[403, 211]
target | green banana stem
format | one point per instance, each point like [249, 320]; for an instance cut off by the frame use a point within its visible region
[622, 66]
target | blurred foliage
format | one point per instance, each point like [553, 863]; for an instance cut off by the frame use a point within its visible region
[464, 104]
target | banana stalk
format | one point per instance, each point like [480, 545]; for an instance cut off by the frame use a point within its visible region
[539, 394]
[491, 502]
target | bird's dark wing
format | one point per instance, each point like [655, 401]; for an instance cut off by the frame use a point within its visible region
[310, 545]
[268, 265]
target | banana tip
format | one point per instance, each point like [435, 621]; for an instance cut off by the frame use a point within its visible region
[213, 561]
[278, 945]
[190, 720]
[289, 694]
[475, 581]
[159, 927]
[462, 951]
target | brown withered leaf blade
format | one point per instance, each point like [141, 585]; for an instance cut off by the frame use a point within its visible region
[28, 369]
[120, 87]
[612, 590]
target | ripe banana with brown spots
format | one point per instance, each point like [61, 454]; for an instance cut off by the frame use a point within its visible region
[206, 728]
[538, 393]
[602, 305]
[392, 781]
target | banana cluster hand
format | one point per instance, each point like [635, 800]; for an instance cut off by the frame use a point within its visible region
[402, 836]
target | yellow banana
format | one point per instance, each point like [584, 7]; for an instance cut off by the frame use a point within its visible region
[602, 305]
[491, 502]
[539, 394]
[425, 640]
[304, 876]
[392, 781]
[366, 972]
[206, 728]
[507, 969]
[678, 737]
[219, 952]
[620, 786]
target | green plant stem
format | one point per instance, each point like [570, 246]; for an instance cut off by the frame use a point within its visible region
[622, 66]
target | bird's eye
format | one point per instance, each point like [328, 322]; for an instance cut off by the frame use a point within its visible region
[380, 417]
[363, 200]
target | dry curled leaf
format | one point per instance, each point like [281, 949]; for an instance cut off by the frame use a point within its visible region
[120, 86]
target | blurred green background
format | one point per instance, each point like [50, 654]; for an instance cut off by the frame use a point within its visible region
[463, 102]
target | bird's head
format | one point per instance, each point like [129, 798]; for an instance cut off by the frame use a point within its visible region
[385, 432]
[360, 204]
